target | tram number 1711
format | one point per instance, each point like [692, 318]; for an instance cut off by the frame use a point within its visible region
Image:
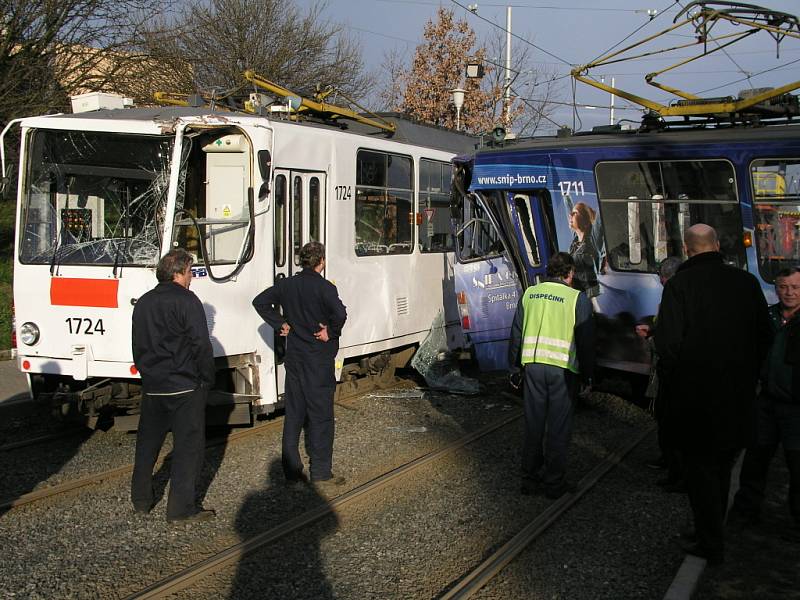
[567, 187]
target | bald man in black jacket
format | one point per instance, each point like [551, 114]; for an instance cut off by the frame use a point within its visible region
[312, 321]
[713, 334]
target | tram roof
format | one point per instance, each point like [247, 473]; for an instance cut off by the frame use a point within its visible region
[710, 135]
[408, 131]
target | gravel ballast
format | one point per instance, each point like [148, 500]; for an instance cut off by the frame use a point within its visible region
[413, 539]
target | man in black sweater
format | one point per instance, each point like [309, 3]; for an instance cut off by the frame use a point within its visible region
[172, 351]
[778, 416]
[713, 333]
[312, 321]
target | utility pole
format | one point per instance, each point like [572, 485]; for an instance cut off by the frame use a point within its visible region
[507, 93]
[612, 102]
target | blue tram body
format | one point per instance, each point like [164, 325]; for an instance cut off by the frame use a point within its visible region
[620, 202]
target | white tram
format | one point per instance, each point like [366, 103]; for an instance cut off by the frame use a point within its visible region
[103, 194]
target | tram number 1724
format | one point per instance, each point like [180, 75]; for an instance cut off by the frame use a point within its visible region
[82, 325]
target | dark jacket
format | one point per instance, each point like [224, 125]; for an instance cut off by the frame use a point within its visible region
[713, 334]
[781, 375]
[585, 256]
[584, 335]
[308, 300]
[171, 346]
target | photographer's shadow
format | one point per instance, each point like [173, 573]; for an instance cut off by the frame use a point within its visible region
[293, 565]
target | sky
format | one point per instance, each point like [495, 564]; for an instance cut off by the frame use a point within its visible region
[563, 33]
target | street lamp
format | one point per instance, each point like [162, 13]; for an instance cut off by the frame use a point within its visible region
[474, 69]
[458, 102]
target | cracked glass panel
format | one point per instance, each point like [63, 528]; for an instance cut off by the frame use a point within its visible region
[94, 198]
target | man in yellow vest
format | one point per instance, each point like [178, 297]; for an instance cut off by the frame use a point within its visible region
[552, 338]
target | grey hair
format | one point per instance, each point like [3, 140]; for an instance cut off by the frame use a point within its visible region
[173, 263]
[668, 267]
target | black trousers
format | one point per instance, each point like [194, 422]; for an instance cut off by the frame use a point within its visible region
[666, 438]
[708, 481]
[548, 400]
[185, 415]
[778, 424]
[310, 387]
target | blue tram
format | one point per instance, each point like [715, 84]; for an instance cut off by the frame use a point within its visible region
[620, 202]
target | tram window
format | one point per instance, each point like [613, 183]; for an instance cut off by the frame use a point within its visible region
[525, 219]
[383, 204]
[280, 220]
[433, 219]
[314, 210]
[477, 239]
[94, 198]
[215, 193]
[647, 206]
[297, 217]
[776, 192]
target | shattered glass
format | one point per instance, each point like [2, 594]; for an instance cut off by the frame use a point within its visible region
[95, 198]
[438, 365]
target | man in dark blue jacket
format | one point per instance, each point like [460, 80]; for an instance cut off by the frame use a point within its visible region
[172, 351]
[312, 321]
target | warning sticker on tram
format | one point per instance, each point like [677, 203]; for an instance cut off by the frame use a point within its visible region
[429, 212]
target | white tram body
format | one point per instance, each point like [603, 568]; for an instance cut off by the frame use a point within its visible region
[102, 195]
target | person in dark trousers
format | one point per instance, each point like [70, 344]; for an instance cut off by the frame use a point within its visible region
[312, 321]
[713, 333]
[657, 390]
[778, 420]
[172, 351]
[552, 339]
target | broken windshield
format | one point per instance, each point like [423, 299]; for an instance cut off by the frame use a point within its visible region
[94, 198]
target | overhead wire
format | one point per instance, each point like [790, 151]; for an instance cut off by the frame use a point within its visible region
[751, 76]
[637, 30]
[522, 39]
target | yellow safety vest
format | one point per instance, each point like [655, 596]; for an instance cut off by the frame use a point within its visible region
[548, 329]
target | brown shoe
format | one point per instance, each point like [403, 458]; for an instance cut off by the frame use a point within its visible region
[329, 486]
[204, 514]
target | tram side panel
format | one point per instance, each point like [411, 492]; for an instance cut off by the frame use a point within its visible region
[638, 195]
[392, 289]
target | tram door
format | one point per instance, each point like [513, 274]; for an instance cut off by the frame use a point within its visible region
[299, 218]
[534, 224]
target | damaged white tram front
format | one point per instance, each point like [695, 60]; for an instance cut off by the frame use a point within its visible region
[103, 195]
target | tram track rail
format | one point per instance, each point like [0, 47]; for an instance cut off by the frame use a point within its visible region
[345, 399]
[475, 580]
[40, 439]
[194, 573]
[68, 486]
[466, 586]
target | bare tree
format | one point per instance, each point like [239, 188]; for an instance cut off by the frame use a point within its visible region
[50, 49]
[391, 89]
[533, 91]
[210, 47]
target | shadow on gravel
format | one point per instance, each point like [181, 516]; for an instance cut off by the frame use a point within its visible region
[292, 567]
[760, 562]
[22, 470]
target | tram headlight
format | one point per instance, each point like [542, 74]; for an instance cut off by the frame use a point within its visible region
[29, 333]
